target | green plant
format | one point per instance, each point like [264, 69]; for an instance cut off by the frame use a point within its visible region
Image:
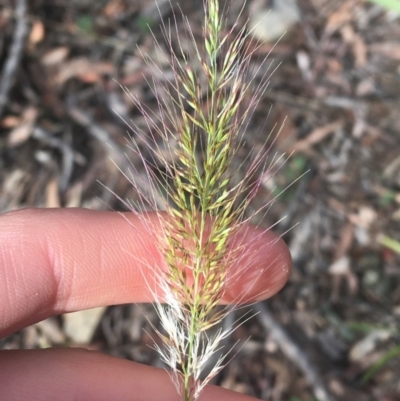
[389, 243]
[394, 352]
[391, 5]
[200, 121]
[85, 24]
[144, 24]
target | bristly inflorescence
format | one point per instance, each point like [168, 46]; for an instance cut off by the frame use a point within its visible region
[201, 120]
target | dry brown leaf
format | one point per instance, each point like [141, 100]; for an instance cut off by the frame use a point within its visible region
[90, 77]
[74, 195]
[365, 217]
[20, 134]
[286, 137]
[23, 131]
[84, 69]
[345, 241]
[360, 51]
[55, 56]
[114, 8]
[387, 49]
[318, 135]
[50, 328]
[37, 33]
[342, 15]
[357, 44]
[269, 24]
[340, 269]
[10, 121]
[13, 188]
[368, 344]
[80, 326]
[334, 65]
[52, 196]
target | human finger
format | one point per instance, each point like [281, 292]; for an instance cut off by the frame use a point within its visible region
[80, 375]
[61, 260]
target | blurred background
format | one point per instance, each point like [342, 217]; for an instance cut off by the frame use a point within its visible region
[333, 331]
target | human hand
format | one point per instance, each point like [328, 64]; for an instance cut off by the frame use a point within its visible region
[55, 261]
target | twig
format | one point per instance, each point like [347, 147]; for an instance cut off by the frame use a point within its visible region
[318, 135]
[14, 57]
[293, 352]
[97, 132]
[69, 156]
[115, 152]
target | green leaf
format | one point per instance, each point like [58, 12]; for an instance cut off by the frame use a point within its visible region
[144, 24]
[85, 24]
[391, 5]
[389, 243]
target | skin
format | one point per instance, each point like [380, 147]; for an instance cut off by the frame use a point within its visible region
[55, 261]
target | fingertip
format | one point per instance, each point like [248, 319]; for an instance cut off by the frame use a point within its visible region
[63, 260]
[262, 269]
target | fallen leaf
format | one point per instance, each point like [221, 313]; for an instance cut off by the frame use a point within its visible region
[114, 8]
[342, 15]
[387, 49]
[357, 44]
[55, 56]
[37, 33]
[269, 24]
[81, 326]
[24, 130]
[52, 196]
[368, 344]
[10, 121]
[84, 69]
[318, 135]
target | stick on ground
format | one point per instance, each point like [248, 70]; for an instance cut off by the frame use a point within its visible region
[14, 55]
[293, 352]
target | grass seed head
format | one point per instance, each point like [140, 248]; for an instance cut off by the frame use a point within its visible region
[200, 120]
